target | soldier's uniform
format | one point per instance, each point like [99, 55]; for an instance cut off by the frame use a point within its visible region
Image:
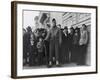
[54, 37]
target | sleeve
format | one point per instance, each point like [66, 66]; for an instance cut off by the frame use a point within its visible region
[48, 35]
[60, 37]
[86, 37]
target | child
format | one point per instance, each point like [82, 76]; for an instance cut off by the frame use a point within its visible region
[40, 49]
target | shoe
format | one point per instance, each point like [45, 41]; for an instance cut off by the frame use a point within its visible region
[57, 64]
[50, 64]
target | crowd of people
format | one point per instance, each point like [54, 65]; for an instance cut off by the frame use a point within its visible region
[56, 47]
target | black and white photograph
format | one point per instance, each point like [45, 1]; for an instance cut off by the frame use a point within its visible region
[53, 39]
[56, 39]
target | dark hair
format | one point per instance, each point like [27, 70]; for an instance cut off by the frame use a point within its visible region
[77, 29]
[24, 29]
[53, 19]
[72, 28]
[29, 29]
[84, 25]
[59, 24]
[66, 27]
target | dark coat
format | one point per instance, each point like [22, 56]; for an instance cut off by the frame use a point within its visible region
[64, 48]
[54, 37]
[26, 43]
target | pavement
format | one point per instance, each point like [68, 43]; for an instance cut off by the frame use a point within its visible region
[44, 66]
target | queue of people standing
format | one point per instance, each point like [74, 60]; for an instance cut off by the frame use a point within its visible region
[55, 47]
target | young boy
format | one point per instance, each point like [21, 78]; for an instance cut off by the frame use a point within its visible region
[40, 49]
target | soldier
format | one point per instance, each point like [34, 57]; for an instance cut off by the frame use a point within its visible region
[54, 37]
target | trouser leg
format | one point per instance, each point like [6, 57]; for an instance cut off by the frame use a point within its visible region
[82, 54]
[52, 51]
[57, 52]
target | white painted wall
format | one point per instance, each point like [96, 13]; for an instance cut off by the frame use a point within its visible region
[29, 18]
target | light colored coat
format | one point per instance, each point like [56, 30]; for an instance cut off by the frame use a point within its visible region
[83, 37]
